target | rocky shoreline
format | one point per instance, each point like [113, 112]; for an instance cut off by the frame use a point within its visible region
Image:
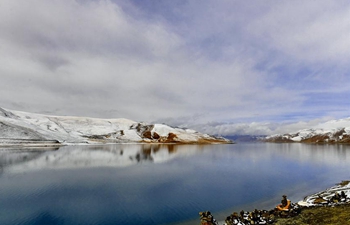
[319, 208]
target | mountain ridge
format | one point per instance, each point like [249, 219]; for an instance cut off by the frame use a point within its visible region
[22, 128]
[333, 131]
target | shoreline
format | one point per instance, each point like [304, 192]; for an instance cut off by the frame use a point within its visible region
[28, 143]
[313, 207]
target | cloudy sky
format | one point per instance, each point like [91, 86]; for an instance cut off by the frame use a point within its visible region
[221, 66]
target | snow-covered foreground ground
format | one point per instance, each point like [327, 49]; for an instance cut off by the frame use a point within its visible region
[334, 131]
[325, 197]
[21, 128]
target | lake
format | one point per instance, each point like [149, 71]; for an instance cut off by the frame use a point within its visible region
[159, 184]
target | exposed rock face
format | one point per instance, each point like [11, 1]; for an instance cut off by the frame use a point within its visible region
[23, 128]
[326, 134]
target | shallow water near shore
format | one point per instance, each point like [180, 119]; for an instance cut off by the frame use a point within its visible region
[160, 184]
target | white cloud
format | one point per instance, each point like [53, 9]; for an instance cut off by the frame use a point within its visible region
[192, 63]
[306, 31]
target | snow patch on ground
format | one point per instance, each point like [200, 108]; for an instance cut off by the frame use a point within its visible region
[324, 197]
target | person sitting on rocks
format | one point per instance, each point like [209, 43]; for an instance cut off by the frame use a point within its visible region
[343, 196]
[228, 220]
[244, 217]
[335, 198]
[233, 219]
[207, 219]
[285, 204]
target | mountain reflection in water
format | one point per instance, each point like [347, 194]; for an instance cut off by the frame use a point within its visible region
[91, 156]
[159, 184]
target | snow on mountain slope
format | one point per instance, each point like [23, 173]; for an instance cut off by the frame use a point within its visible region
[23, 128]
[334, 131]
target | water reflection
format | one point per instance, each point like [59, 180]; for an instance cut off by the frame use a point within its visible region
[13, 156]
[158, 184]
[19, 160]
[14, 160]
[313, 153]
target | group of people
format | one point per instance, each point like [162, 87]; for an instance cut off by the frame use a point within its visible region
[207, 219]
[254, 217]
[285, 209]
[338, 197]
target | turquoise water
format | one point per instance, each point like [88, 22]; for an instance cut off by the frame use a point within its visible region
[159, 184]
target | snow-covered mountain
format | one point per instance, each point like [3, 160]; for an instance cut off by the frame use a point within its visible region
[334, 131]
[22, 128]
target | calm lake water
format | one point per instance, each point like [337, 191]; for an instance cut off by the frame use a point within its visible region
[159, 184]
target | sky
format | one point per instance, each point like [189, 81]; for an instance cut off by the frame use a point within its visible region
[220, 66]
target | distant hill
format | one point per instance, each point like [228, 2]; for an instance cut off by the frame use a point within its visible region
[245, 138]
[22, 128]
[334, 131]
